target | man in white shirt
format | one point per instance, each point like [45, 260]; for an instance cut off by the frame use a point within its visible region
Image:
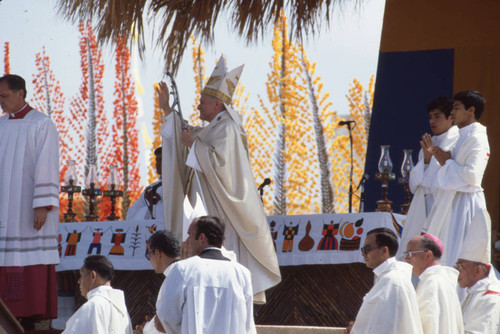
[206, 293]
[459, 204]
[105, 311]
[163, 250]
[481, 306]
[437, 296]
[149, 205]
[391, 305]
[423, 175]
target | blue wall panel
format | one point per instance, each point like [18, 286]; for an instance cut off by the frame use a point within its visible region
[406, 83]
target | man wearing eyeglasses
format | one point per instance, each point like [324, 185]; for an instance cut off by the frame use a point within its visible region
[164, 250]
[391, 304]
[437, 296]
[481, 306]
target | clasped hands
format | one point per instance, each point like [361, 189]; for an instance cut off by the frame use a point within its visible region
[429, 150]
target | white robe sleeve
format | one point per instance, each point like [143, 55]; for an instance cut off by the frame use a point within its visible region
[171, 301]
[46, 178]
[417, 173]
[454, 175]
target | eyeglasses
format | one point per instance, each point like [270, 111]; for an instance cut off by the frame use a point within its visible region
[368, 248]
[148, 254]
[409, 254]
[459, 265]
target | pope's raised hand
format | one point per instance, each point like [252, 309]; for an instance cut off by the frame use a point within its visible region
[163, 97]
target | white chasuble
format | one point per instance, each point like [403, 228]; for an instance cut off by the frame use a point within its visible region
[228, 189]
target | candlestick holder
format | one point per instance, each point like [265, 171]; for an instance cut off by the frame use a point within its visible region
[385, 175]
[92, 192]
[113, 191]
[406, 168]
[71, 188]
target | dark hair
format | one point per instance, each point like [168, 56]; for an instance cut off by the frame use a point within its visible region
[101, 265]
[386, 237]
[166, 242]
[443, 104]
[157, 151]
[15, 82]
[428, 244]
[213, 228]
[471, 98]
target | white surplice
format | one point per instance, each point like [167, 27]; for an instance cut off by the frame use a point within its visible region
[439, 307]
[221, 175]
[140, 211]
[459, 203]
[206, 296]
[29, 178]
[390, 307]
[105, 312]
[481, 306]
[422, 182]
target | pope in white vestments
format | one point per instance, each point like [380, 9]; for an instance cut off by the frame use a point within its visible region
[217, 169]
[104, 312]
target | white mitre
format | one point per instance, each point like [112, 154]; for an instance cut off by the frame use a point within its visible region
[222, 86]
[473, 247]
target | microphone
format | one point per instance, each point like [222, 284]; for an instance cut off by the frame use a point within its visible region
[266, 182]
[346, 122]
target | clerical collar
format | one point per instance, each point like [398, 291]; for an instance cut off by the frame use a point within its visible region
[383, 266]
[21, 113]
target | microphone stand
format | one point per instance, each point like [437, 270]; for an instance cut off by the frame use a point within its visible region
[350, 173]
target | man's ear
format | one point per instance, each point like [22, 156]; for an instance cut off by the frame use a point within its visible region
[93, 275]
[472, 110]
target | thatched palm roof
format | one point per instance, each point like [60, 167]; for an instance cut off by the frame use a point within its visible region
[181, 18]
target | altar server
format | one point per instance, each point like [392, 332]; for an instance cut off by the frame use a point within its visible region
[437, 296]
[206, 293]
[149, 205]
[29, 201]
[423, 175]
[391, 304]
[459, 203]
[213, 163]
[105, 311]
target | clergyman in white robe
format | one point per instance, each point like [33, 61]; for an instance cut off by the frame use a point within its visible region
[422, 185]
[104, 312]
[29, 179]
[438, 302]
[459, 203]
[390, 307]
[206, 295]
[481, 306]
